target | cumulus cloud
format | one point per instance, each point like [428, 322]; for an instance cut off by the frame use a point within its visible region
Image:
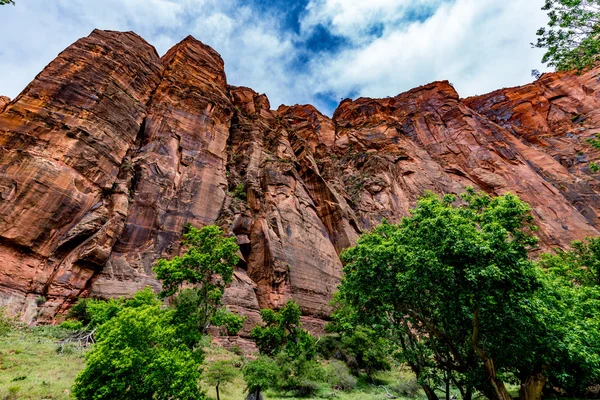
[479, 45]
[387, 46]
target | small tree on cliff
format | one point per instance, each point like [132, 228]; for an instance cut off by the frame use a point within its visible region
[572, 37]
[207, 268]
[444, 282]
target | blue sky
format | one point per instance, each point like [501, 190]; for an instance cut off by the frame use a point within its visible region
[308, 51]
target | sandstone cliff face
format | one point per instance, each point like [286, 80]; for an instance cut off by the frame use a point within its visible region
[3, 102]
[111, 150]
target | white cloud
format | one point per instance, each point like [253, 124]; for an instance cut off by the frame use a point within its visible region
[479, 45]
[354, 18]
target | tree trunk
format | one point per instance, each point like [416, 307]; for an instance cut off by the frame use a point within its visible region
[256, 395]
[497, 389]
[468, 394]
[218, 397]
[531, 388]
[429, 392]
[447, 387]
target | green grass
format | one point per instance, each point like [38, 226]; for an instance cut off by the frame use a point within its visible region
[30, 368]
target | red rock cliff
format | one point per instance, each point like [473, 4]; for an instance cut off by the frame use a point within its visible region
[111, 150]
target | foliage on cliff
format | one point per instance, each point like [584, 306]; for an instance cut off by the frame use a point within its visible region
[572, 37]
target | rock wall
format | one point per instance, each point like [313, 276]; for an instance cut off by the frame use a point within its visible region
[111, 150]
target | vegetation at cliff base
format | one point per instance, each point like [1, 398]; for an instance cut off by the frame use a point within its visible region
[453, 290]
[146, 350]
[447, 303]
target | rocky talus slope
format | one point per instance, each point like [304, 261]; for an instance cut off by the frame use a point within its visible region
[112, 149]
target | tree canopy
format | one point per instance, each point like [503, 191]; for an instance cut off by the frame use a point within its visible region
[453, 287]
[444, 283]
[572, 37]
[147, 350]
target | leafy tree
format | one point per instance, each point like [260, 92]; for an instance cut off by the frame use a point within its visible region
[571, 301]
[283, 337]
[581, 264]
[233, 323]
[95, 312]
[282, 331]
[572, 37]
[260, 374]
[4, 2]
[444, 283]
[207, 266]
[361, 348]
[144, 350]
[138, 356]
[220, 373]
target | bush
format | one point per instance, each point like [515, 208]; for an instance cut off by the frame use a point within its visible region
[260, 374]
[407, 386]
[338, 376]
[72, 325]
[139, 356]
[299, 375]
[240, 192]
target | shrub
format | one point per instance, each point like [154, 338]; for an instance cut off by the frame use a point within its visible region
[299, 374]
[139, 356]
[6, 323]
[594, 167]
[260, 374]
[72, 325]
[338, 376]
[407, 385]
[240, 192]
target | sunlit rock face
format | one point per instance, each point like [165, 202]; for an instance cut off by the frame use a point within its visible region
[112, 150]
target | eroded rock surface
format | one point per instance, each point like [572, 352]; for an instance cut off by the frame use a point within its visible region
[3, 102]
[111, 150]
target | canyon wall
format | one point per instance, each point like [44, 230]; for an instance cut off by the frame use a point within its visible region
[112, 149]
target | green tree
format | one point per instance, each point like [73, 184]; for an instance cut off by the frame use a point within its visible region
[572, 37]
[293, 348]
[444, 283]
[207, 266]
[4, 2]
[580, 264]
[138, 355]
[282, 331]
[144, 350]
[571, 301]
[220, 373]
[361, 348]
[260, 374]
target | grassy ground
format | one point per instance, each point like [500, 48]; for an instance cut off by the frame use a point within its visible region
[30, 367]
[363, 391]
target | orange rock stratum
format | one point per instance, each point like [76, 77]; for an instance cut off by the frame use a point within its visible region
[112, 149]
